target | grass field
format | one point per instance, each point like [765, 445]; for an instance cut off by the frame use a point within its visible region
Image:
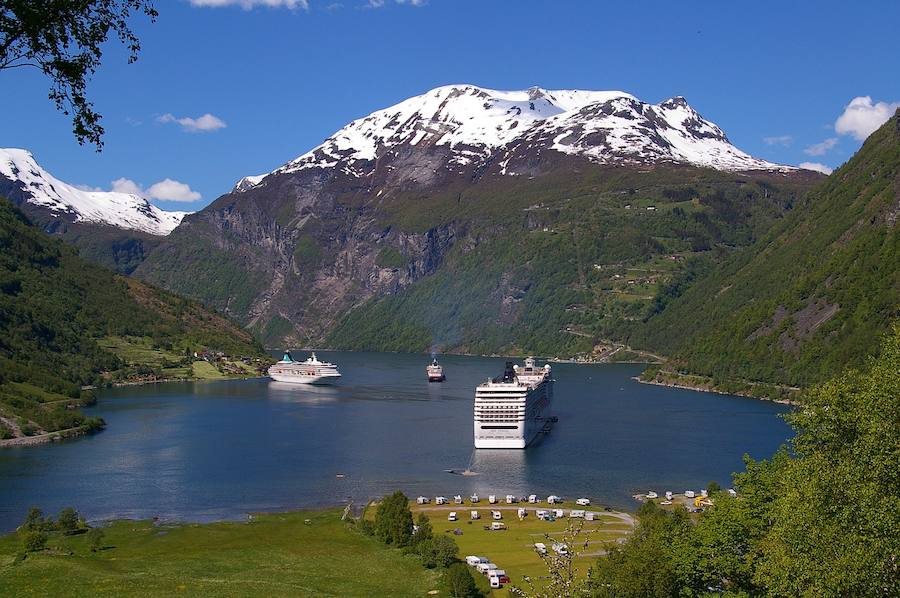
[203, 370]
[513, 549]
[290, 554]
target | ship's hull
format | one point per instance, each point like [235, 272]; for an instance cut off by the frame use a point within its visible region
[436, 378]
[304, 379]
[525, 420]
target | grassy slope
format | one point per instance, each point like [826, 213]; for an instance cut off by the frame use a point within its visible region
[840, 248]
[275, 555]
[56, 310]
[562, 264]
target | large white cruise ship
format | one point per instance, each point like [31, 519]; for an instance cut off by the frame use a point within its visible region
[311, 371]
[510, 411]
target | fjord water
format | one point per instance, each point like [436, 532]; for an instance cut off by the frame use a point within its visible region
[217, 450]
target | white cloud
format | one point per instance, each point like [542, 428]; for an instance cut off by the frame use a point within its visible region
[817, 167]
[784, 140]
[166, 190]
[251, 4]
[124, 185]
[202, 124]
[861, 117]
[169, 190]
[88, 188]
[820, 149]
[380, 3]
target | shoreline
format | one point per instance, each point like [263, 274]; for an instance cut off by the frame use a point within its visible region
[695, 388]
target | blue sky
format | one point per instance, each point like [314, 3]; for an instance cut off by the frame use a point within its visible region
[277, 80]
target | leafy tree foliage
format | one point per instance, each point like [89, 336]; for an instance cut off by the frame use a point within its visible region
[821, 520]
[393, 520]
[34, 541]
[644, 566]
[438, 551]
[34, 520]
[64, 39]
[95, 538]
[424, 532]
[460, 582]
[68, 520]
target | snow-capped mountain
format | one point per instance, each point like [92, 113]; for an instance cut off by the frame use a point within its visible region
[485, 128]
[36, 186]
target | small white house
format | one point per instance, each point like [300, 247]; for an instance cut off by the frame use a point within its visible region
[483, 568]
[497, 525]
[457, 500]
[576, 513]
[496, 515]
[440, 500]
[559, 513]
[589, 515]
[583, 502]
[668, 495]
[492, 499]
[510, 499]
[451, 516]
[704, 493]
[422, 500]
[474, 498]
[475, 515]
[553, 499]
[541, 514]
[689, 494]
[521, 512]
[532, 498]
[732, 492]
[540, 547]
[560, 548]
[494, 582]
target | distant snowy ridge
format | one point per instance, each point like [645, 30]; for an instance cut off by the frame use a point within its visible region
[123, 210]
[479, 125]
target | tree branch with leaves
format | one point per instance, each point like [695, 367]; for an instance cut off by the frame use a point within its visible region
[64, 40]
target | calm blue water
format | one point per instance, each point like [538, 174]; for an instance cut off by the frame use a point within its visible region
[215, 450]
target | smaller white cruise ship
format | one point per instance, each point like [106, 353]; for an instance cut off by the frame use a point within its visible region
[311, 371]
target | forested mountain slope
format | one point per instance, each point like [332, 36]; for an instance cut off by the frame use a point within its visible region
[56, 310]
[811, 297]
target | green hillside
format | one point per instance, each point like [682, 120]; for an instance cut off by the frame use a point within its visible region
[811, 297]
[66, 324]
[562, 265]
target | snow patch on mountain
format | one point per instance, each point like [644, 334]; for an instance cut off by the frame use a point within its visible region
[478, 125]
[124, 210]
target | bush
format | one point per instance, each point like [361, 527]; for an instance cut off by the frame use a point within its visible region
[366, 527]
[460, 582]
[34, 541]
[438, 551]
[95, 538]
[34, 520]
[68, 520]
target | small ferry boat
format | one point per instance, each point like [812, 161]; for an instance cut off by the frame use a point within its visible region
[435, 372]
[311, 371]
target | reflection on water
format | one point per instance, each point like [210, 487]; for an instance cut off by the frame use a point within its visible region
[216, 450]
[283, 391]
